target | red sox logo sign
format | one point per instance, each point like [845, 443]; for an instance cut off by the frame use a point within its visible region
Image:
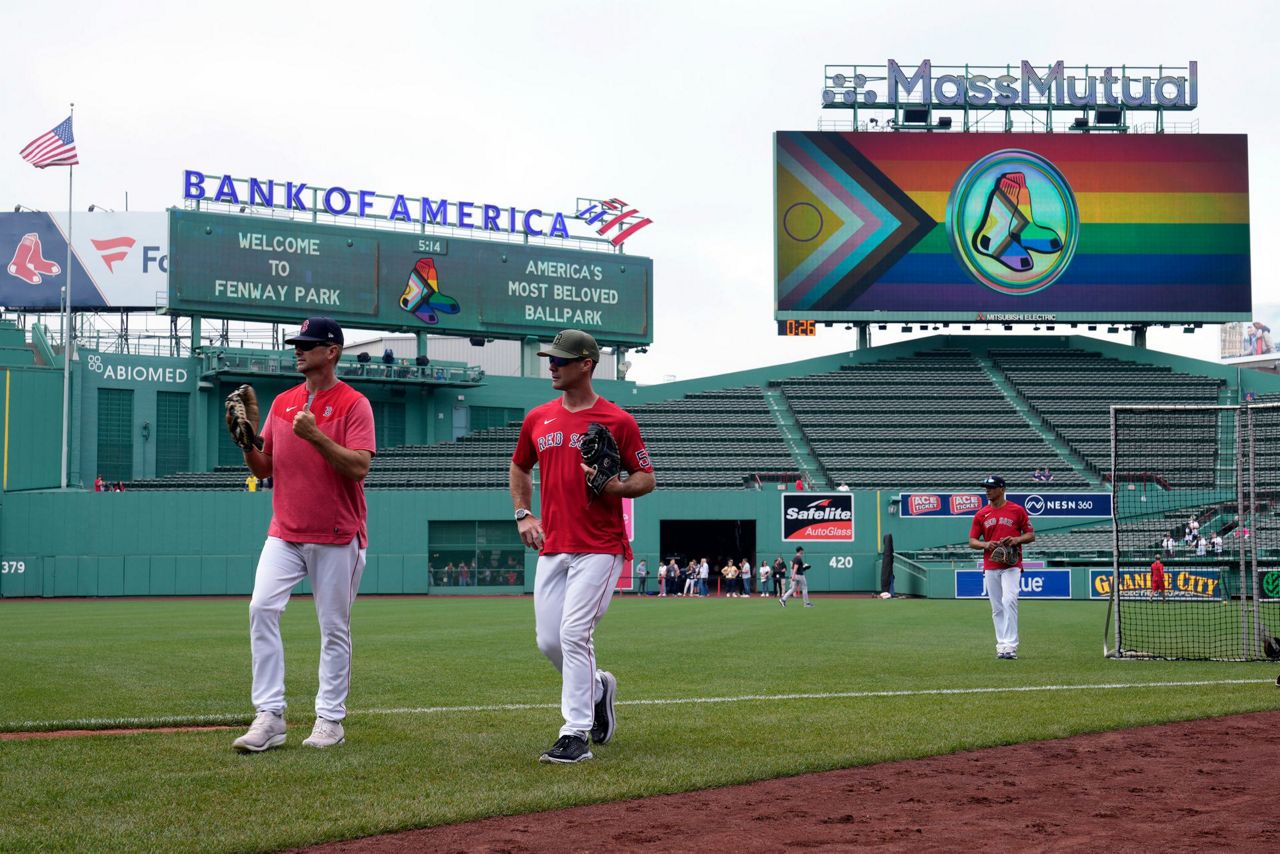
[28, 262]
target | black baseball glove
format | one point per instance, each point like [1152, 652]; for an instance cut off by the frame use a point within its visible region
[600, 454]
[242, 418]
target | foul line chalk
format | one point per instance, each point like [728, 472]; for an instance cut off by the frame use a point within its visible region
[180, 720]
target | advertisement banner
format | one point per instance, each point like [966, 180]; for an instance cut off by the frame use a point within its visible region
[1036, 583]
[1014, 227]
[1039, 505]
[1194, 584]
[1251, 341]
[1269, 584]
[119, 260]
[255, 268]
[815, 517]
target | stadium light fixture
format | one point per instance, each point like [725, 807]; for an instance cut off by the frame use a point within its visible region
[642, 349]
[1036, 327]
[883, 326]
[93, 208]
[1189, 330]
[21, 208]
[1008, 327]
[1112, 330]
[906, 329]
[966, 327]
[1093, 328]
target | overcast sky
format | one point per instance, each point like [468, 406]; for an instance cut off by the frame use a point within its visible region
[670, 105]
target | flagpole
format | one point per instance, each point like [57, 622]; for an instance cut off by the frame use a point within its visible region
[68, 338]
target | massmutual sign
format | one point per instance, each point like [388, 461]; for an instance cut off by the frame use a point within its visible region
[1057, 85]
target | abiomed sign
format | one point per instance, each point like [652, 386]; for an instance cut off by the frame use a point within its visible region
[1058, 86]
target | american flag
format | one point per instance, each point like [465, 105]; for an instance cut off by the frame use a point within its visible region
[55, 148]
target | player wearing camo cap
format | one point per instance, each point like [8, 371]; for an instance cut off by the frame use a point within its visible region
[580, 537]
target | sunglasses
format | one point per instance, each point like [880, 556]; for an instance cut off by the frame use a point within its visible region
[559, 362]
[306, 346]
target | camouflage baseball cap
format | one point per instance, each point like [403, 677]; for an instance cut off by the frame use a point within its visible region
[573, 344]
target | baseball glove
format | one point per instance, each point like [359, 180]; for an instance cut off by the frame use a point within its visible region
[242, 418]
[600, 454]
[1006, 555]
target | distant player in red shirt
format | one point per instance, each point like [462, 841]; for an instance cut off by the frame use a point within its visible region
[1002, 523]
[317, 442]
[581, 538]
[1158, 584]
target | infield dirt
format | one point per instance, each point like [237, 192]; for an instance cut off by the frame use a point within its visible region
[1190, 786]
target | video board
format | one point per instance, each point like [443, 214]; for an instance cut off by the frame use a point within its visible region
[255, 268]
[880, 226]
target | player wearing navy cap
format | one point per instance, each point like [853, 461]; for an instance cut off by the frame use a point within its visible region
[317, 442]
[581, 537]
[1000, 530]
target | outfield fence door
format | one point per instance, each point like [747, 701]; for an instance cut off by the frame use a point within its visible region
[1195, 488]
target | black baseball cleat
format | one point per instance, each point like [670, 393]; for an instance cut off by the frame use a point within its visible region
[567, 750]
[605, 721]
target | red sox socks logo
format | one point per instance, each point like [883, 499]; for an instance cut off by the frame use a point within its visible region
[29, 263]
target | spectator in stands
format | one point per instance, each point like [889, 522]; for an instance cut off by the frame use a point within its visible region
[464, 571]
[744, 576]
[251, 483]
[1169, 543]
[642, 576]
[779, 573]
[446, 574]
[1048, 475]
[98, 483]
[1037, 475]
[388, 356]
[843, 487]
[704, 574]
[1194, 525]
[662, 580]
[1200, 546]
[765, 573]
[1217, 544]
[268, 482]
[799, 485]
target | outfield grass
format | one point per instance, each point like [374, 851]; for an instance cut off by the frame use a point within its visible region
[408, 763]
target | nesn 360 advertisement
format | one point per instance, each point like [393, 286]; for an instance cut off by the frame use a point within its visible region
[1039, 505]
[976, 227]
[816, 517]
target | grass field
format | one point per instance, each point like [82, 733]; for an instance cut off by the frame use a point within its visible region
[451, 704]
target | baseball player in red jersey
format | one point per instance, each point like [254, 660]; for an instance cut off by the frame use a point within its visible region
[581, 539]
[1158, 584]
[317, 443]
[1002, 523]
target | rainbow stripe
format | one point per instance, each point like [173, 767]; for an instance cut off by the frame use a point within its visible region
[1164, 223]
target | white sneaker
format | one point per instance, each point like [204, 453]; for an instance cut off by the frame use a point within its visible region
[266, 731]
[325, 734]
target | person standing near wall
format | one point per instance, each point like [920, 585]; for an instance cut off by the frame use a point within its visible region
[999, 531]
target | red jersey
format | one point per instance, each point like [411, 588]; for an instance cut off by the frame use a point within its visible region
[310, 501]
[1157, 576]
[991, 524]
[573, 520]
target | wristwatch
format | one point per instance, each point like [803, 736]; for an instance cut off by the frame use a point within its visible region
[523, 512]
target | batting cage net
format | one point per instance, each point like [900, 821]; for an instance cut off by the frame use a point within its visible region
[1196, 561]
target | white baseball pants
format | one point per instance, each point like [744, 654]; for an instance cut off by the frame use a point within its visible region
[334, 572]
[571, 592]
[1002, 589]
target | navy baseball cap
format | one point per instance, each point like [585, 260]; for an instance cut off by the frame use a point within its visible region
[992, 481]
[320, 329]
